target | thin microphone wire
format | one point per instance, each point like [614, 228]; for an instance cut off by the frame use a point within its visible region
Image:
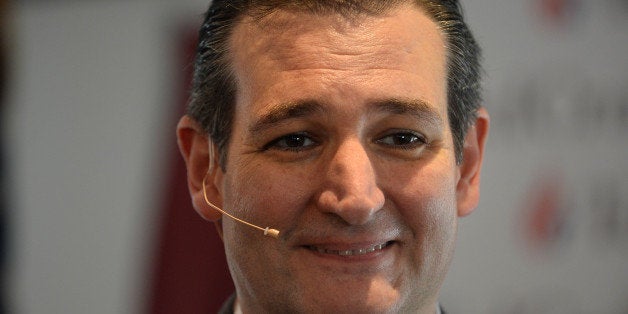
[274, 233]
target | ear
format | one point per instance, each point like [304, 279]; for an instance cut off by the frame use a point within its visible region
[468, 188]
[194, 147]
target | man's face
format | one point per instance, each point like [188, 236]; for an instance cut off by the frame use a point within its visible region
[341, 141]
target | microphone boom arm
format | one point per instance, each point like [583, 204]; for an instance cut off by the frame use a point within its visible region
[269, 232]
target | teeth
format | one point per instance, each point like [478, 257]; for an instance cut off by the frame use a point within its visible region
[361, 251]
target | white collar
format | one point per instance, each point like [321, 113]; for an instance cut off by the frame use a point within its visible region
[236, 307]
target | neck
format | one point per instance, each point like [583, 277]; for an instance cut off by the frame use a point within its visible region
[238, 310]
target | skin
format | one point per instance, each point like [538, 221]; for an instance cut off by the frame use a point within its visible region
[341, 141]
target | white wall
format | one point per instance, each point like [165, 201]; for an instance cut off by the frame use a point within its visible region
[88, 125]
[87, 133]
[558, 98]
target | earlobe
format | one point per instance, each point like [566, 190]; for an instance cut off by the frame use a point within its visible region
[195, 149]
[468, 187]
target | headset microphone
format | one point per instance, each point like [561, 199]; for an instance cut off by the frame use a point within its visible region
[274, 233]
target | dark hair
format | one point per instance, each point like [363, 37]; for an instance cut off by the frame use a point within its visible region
[212, 101]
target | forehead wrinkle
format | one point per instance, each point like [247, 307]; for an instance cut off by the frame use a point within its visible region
[284, 35]
[285, 111]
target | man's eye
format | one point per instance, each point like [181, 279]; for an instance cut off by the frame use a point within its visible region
[404, 140]
[295, 141]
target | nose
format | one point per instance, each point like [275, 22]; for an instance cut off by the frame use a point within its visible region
[350, 188]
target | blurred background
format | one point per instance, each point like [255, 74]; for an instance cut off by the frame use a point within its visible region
[94, 212]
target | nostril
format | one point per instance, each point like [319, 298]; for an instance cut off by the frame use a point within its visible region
[328, 201]
[356, 210]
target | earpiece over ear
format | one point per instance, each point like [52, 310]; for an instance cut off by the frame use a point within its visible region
[197, 149]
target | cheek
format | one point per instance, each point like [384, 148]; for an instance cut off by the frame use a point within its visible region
[428, 208]
[427, 202]
[266, 195]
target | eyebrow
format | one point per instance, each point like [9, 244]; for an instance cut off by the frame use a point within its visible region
[284, 112]
[418, 108]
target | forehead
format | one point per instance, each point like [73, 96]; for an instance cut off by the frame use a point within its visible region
[393, 33]
[402, 44]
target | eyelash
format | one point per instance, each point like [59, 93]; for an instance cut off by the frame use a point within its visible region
[301, 137]
[416, 140]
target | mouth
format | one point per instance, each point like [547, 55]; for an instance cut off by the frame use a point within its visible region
[351, 252]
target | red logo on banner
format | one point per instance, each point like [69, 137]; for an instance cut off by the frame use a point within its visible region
[545, 213]
[558, 11]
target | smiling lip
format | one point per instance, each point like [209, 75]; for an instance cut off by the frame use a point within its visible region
[350, 252]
